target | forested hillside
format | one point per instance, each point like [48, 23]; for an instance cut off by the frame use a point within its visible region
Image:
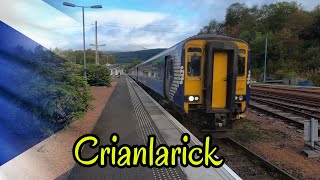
[293, 38]
[129, 57]
[76, 56]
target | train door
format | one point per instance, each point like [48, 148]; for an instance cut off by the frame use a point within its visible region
[168, 76]
[221, 74]
[219, 88]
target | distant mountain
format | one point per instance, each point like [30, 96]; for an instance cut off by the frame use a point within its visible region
[134, 47]
[126, 48]
[128, 57]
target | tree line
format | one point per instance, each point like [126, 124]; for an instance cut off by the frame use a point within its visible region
[76, 56]
[46, 91]
[293, 38]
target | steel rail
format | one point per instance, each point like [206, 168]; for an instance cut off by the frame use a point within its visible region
[276, 171]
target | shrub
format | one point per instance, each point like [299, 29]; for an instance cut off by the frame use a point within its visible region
[40, 92]
[315, 78]
[77, 95]
[62, 99]
[256, 74]
[98, 75]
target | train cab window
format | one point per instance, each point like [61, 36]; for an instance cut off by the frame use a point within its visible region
[194, 65]
[241, 65]
[193, 49]
[241, 51]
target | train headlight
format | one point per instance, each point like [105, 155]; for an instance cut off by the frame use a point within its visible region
[192, 98]
[240, 98]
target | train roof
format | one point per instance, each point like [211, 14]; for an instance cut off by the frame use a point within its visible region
[195, 37]
[214, 37]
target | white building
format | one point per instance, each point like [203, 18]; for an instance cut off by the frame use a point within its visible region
[116, 69]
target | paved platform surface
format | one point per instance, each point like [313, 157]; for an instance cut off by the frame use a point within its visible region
[120, 117]
[134, 115]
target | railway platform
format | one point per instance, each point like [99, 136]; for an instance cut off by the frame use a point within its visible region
[134, 115]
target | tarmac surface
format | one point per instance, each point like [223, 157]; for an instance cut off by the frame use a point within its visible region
[119, 116]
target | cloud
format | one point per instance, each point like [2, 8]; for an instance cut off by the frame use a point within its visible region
[126, 17]
[37, 20]
[121, 28]
[161, 25]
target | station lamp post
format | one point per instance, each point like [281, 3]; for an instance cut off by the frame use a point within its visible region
[84, 40]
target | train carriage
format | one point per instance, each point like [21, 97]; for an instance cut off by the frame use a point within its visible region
[204, 76]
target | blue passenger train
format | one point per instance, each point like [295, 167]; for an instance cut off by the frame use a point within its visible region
[204, 76]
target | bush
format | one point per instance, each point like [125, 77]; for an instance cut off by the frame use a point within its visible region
[256, 74]
[61, 101]
[77, 92]
[98, 75]
[315, 78]
[40, 92]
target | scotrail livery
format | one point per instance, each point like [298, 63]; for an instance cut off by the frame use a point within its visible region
[205, 77]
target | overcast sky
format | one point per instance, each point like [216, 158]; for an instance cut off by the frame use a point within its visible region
[122, 25]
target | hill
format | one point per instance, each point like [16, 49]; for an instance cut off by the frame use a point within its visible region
[128, 57]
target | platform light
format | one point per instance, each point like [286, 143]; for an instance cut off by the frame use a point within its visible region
[69, 4]
[83, 32]
[96, 6]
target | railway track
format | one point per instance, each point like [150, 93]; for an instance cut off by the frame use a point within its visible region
[302, 94]
[314, 90]
[281, 102]
[290, 117]
[247, 164]
[291, 100]
[293, 113]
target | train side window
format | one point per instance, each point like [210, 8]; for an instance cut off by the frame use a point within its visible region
[241, 65]
[171, 65]
[194, 65]
[145, 73]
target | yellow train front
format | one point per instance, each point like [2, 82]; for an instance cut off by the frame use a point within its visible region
[205, 77]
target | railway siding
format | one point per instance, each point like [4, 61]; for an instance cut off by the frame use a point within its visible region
[294, 104]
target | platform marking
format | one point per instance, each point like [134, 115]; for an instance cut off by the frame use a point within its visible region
[147, 129]
[144, 121]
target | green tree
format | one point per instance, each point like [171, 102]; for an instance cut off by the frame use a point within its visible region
[213, 28]
[293, 37]
[134, 63]
[98, 75]
[273, 17]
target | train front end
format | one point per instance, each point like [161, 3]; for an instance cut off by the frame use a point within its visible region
[217, 76]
